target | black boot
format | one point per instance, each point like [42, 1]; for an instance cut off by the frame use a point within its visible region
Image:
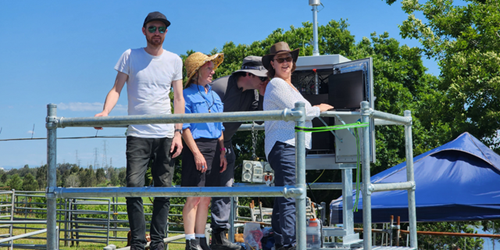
[160, 246]
[203, 243]
[220, 241]
[193, 244]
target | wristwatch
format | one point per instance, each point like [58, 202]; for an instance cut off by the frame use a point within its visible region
[223, 150]
[178, 130]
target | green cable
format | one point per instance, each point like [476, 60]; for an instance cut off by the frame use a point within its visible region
[318, 177]
[358, 172]
[358, 149]
[330, 128]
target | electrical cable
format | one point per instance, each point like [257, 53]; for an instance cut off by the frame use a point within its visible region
[358, 149]
[62, 138]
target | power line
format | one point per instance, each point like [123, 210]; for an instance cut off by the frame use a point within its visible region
[63, 138]
[104, 156]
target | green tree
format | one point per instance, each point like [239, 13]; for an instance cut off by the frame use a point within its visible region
[444, 242]
[73, 180]
[100, 176]
[74, 169]
[87, 177]
[463, 39]
[113, 176]
[122, 177]
[29, 183]
[4, 179]
[15, 182]
[41, 177]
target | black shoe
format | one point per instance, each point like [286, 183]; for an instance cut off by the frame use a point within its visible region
[286, 248]
[220, 241]
[193, 244]
[203, 243]
[160, 246]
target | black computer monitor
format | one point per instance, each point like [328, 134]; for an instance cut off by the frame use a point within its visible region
[346, 90]
[322, 143]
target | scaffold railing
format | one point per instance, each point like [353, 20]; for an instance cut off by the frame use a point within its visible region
[298, 115]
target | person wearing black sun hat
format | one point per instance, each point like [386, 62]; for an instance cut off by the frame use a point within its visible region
[243, 90]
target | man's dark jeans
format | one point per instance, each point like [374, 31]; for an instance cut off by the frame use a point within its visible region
[140, 152]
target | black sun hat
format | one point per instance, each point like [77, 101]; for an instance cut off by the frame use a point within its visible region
[253, 65]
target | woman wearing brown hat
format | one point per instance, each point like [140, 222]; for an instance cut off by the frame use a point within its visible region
[280, 136]
[201, 140]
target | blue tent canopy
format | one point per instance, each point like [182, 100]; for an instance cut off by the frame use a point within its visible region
[457, 181]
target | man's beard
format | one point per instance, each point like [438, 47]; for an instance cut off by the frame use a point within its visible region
[154, 41]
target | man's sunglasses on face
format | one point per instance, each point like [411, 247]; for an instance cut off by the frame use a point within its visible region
[152, 29]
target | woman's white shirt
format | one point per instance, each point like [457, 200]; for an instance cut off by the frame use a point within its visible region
[278, 96]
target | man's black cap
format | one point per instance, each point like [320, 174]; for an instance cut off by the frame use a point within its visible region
[156, 16]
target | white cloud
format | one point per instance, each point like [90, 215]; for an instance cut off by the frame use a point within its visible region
[85, 106]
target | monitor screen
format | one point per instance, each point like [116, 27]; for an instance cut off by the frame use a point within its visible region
[346, 90]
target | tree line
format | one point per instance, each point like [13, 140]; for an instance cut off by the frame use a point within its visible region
[68, 175]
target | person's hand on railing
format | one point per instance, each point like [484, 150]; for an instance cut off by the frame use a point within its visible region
[102, 114]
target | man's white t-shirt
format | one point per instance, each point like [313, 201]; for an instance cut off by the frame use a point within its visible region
[148, 87]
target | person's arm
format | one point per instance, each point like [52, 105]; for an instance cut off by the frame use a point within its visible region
[223, 160]
[258, 104]
[323, 107]
[262, 87]
[281, 95]
[113, 95]
[179, 108]
[199, 159]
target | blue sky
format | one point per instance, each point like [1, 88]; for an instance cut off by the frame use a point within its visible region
[63, 52]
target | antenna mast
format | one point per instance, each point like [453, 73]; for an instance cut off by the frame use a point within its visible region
[315, 4]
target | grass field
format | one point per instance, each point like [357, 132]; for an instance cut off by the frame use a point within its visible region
[81, 245]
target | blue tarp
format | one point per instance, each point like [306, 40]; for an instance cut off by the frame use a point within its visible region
[457, 181]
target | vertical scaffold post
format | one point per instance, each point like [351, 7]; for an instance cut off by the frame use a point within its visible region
[412, 213]
[300, 174]
[367, 200]
[51, 175]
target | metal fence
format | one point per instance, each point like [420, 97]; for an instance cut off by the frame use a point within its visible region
[79, 219]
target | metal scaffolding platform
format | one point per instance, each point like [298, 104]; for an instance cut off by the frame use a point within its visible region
[351, 240]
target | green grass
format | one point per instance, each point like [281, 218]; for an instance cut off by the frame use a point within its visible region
[81, 245]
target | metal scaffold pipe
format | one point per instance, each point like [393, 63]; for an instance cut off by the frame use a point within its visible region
[315, 4]
[286, 114]
[262, 191]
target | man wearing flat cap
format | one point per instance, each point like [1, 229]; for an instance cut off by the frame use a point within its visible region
[243, 90]
[149, 73]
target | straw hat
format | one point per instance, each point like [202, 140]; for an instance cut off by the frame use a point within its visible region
[279, 48]
[196, 60]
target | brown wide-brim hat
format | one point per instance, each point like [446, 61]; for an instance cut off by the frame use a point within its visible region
[276, 49]
[196, 60]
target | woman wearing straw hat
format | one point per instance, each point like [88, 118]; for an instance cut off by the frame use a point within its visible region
[201, 140]
[280, 136]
